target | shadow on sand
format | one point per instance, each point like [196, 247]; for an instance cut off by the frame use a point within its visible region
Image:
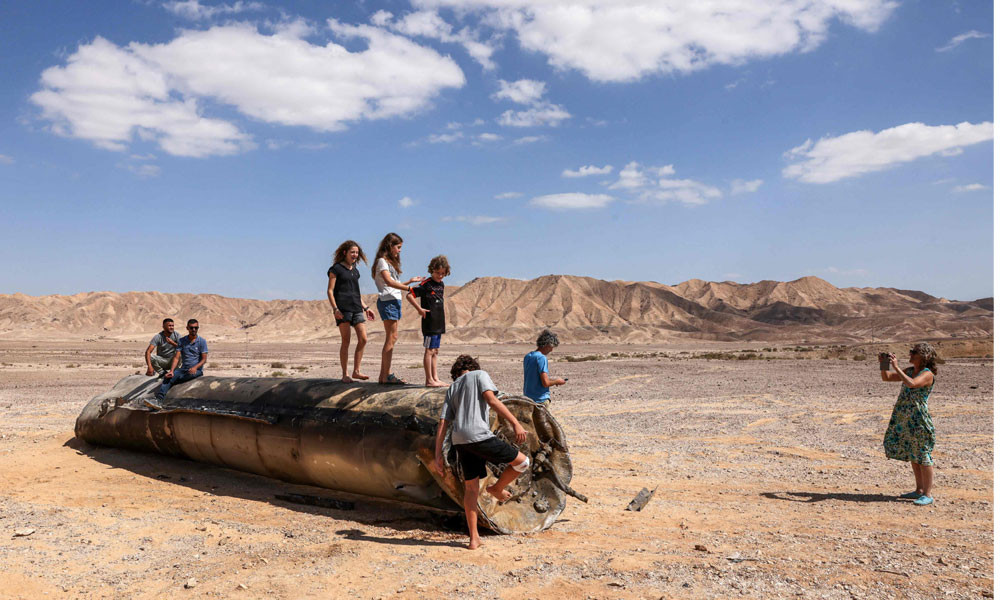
[820, 497]
[220, 481]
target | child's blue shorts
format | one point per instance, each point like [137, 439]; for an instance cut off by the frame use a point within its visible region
[432, 342]
[390, 310]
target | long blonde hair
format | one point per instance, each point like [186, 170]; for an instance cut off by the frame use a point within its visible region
[385, 251]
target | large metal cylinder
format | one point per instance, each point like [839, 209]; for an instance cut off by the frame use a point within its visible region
[363, 438]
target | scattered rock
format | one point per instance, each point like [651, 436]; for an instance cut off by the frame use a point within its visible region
[242, 587]
[700, 548]
[23, 532]
[190, 583]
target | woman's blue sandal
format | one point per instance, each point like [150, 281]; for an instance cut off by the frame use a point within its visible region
[911, 495]
[923, 501]
[393, 380]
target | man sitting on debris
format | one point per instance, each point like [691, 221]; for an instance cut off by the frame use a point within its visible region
[165, 344]
[467, 403]
[192, 354]
[536, 369]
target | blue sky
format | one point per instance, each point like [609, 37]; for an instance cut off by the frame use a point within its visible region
[192, 146]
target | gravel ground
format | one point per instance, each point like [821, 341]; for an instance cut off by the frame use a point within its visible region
[769, 475]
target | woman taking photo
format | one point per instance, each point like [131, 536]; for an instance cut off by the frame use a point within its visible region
[344, 294]
[910, 435]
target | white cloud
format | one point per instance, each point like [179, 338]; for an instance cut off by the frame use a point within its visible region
[859, 152]
[972, 187]
[544, 114]
[587, 171]
[144, 171]
[429, 24]
[109, 94]
[529, 139]
[687, 191]
[196, 11]
[572, 201]
[489, 137]
[958, 39]
[732, 86]
[539, 112]
[6, 160]
[740, 186]
[522, 91]
[634, 176]
[508, 195]
[476, 220]
[445, 138]
[624, 40]
[654, 185]
[406, 202]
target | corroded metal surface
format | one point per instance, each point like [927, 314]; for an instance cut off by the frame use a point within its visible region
[361, 438]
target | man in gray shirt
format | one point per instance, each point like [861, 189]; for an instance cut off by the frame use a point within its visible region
[467, 403]
[165, 344]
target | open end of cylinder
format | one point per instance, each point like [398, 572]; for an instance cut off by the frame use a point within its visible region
[536, 498]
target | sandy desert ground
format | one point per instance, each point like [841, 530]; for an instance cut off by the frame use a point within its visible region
[769, 475]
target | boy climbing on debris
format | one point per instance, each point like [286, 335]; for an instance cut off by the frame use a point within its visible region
[467, 404]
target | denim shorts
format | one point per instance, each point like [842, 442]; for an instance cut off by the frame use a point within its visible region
[474, 456]
[352, 317]
[432, 342]
[390, 310]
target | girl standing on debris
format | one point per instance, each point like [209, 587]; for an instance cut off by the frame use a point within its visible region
[344, 294]
[910, 435]
[390, 298]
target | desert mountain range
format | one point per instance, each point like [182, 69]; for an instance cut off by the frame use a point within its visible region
[496, 309]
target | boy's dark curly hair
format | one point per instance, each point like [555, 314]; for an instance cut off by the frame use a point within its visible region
[439, 262]
[463, 363]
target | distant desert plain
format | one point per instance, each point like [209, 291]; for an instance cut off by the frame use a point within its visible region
[755, 412]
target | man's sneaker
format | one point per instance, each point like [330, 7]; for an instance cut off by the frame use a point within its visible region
[923, 501]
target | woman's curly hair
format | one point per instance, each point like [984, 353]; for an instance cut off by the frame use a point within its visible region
[463, 363]
[927, 355]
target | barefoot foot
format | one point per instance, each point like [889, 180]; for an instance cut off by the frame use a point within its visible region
[473, 544]
[357, 375]
[346, 379]
[437, 384]
[501, 495]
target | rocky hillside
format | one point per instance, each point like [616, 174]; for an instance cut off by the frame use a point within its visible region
[510, 310]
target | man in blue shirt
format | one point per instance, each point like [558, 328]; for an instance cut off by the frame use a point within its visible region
[192, 354]
[536, 369]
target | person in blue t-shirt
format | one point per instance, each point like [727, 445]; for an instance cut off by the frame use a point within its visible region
[536, 369]
[191, 354]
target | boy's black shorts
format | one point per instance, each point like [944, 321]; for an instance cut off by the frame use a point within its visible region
[473, 456]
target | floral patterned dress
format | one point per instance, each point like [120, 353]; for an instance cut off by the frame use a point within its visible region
[910, 435]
